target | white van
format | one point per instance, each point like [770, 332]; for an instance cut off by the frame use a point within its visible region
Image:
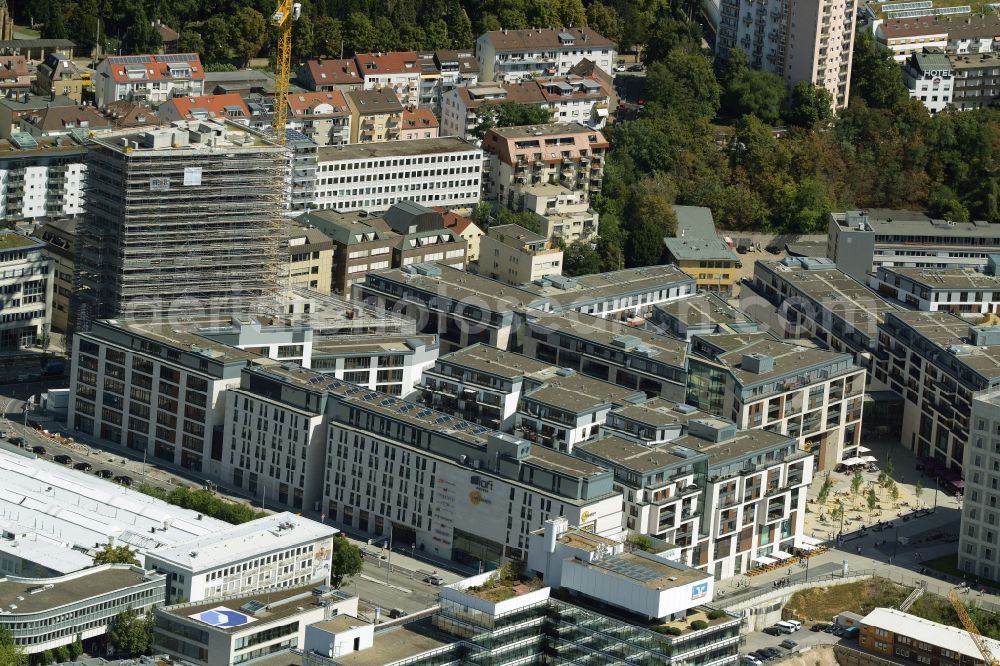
[785, 627]
[795, 623]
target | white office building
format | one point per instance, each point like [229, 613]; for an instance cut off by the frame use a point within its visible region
[41, 179]
[280, 550]
[372, 177]
[26, 279]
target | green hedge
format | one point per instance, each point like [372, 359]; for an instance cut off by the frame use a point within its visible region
[205, 502]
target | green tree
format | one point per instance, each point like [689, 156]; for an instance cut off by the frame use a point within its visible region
[386, 34]
[303, 37]
[894, 491]
[685, 84]
[943, 203]
[755, 92]
[872, 499]
[482, 216]
[55, 21]
[918, 490]
[61, 654]
[581, 258]
[856, 481]
[44, 657]
[83, 27]
[810, 105]
[190, 41]
[327, 36]
[131, 633]
[11, 654]
[436, 35]
[508, 114]
[75, 649]
[215, 37]
[669, 34]
[824, 490]
[459, 26]
[875, 75]
[140, 35]
[248, 33]
[523, 218]
[644, 244]
[346, 561]
[572, 13]
[115, 555]
[838, 511]
[803, 208]
[605, 20]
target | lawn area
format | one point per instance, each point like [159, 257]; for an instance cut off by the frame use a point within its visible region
[948, 564]
[821, 604]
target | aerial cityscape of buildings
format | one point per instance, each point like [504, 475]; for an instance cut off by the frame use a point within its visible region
[360, 310]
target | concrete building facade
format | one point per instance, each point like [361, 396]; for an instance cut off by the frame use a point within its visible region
[512, 55]
[26, 284]
[512, 254]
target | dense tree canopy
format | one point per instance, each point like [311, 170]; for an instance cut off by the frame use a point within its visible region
[131, 633]
[346, 561]
[115, 555]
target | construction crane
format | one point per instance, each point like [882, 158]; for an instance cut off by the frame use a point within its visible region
[283, 17]
[973, 630]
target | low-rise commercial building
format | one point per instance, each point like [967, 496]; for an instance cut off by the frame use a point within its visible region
[26, 283]
[811, 395]
[860, 242]
[512, 254]
[282, 550]
[47, 613]
[708, 260]
[909, 639]
[372, 177]
[238, 628]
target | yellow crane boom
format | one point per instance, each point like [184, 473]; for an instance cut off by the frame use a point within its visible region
[973, 630]
[286, 13]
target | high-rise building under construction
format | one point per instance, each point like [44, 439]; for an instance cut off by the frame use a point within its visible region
[178, 218]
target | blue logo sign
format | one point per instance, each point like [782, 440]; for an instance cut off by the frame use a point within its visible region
[223, 618]
[699, 590]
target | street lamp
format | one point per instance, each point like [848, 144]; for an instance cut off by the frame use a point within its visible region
[936, 484]
[388, 558]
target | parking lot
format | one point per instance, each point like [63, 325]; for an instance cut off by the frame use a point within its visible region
[756, 641]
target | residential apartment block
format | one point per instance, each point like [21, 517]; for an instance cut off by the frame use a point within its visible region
[58, 75]
[150, 79]
[41, 179]
[811, 395]
[324, 117]
[817, 301]
[860, 242]
[908, 639]
[566, 154]
[419, 124]
[407, 233]
[512, 55]
[62, 121]
[26, 282]
[229, 106]
[726, 497]
[60, 241]
[961, 291]
[512, 254]
[309, 258]
[329, 74]
[14, 75]
[564, 214]
[376, 115]
[372, 177]
[975, 80]
[396, 71]
[703, 313]
[938, 362]
[904, 37]
[156, 237]
[818, 49]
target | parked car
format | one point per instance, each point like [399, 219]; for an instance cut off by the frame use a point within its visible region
[63, 459]
[124, 480]
[397, 612]
[83, 466]
[434, 580]
[760, 655]
[750, 660]
[788, 644]
[104, 473]
[638, 67]
[819, 626]
[772, 631]
[773, 653]
[16, 441]
[620, 67]
[40, 450]
[3, 434]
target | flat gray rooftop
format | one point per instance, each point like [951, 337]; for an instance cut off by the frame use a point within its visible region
[789, 359]
[654, 574]
[951, 333]
[691, 248]
[602, 286]
[466, 287]
[398, 643]
[832, 289]
[745, 443]
[633, 456]
[487, 359]
[658, 412]
[946, 278]
[577, 393]
[413, 147]
[281, 604]
[60, 594]
[563, 463]
[889, 224]
[704, 308]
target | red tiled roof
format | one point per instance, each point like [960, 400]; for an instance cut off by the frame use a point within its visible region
[454, 221]
[215, 105]
[55, 118]
[299, 103]
[396, 62]
[333, 71]
[13, 65]
[157, 67]
[419, 118]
